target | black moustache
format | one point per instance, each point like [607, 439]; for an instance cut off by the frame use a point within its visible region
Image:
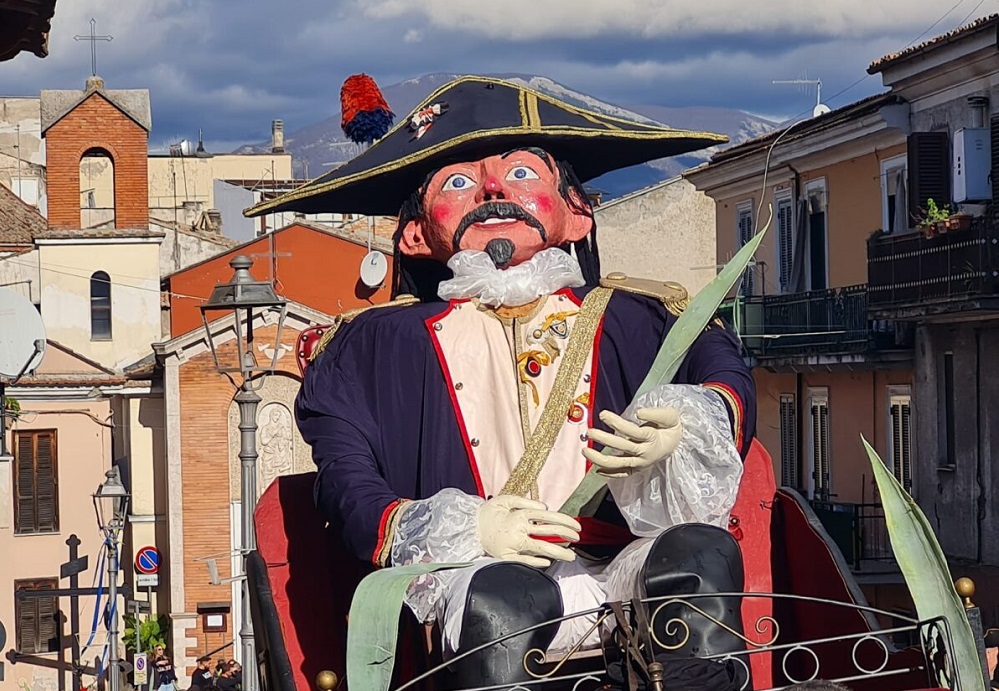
[496, 210]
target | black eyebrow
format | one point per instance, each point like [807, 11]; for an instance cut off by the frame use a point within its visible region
[540, 153]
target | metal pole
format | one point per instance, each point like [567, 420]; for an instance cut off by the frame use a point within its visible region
[247, 400]
[114, 670]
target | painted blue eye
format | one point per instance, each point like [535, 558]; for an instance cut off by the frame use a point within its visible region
[458, 181]
[522, 173]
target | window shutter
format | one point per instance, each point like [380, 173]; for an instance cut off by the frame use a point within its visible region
[37, 618]
[788, 441]
[901, 451]
[820, 447]
[929, 170]
[26, 517]
[27, 625]
[994, 131]
[745, 235]
[37, 505]
[47, 498]
[785, 240]
[48, 629]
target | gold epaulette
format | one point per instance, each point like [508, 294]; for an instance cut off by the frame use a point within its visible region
[344, 317]
[673, 295]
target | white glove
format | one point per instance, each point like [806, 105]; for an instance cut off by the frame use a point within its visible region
[507, 524]
[639, 446]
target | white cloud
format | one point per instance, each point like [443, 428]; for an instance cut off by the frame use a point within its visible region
[413, 36]
[534, 19]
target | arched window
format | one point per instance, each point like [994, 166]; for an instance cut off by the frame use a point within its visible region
[100, 307]
[97, 199]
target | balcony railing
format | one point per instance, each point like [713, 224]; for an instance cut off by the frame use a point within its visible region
[860, 532]
[816, 322]
[912, 269]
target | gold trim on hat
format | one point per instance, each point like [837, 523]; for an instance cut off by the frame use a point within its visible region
[530, 125]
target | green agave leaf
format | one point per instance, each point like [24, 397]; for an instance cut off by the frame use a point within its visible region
[925, 570]
[701, 310]
[373, 631]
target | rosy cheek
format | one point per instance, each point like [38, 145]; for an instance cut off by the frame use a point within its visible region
[441, 215]
[545, 203]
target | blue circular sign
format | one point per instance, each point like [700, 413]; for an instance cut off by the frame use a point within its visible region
[147, 560]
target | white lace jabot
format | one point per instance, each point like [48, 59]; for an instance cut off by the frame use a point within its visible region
[475, 276]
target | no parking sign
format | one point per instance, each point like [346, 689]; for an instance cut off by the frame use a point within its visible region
[140, 669]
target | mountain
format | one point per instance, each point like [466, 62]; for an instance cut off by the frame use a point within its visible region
[322, 146]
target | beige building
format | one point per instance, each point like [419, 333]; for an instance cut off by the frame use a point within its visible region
[666, 231]
[826, 373]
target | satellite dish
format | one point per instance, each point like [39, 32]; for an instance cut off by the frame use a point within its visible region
[374, 267]
[820, 109]
[22, 334]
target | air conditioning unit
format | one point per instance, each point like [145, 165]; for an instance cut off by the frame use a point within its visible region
[972, 165]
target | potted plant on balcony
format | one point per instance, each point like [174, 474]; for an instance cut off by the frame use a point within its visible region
[934, 220]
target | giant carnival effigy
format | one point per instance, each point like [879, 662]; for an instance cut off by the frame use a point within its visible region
[532, 476]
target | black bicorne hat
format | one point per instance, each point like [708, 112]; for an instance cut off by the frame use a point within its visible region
[474, 117]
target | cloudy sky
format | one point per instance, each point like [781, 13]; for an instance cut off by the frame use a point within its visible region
[231, 66]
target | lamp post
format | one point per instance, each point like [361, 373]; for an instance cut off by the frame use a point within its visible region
[247, 300]
[110, 505]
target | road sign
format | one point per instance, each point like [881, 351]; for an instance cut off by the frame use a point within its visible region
[147, 560]
[147, 580]
[140, 606]
[140, 670]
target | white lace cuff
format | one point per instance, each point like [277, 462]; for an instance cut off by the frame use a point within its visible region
[699, 482]
[440, 529]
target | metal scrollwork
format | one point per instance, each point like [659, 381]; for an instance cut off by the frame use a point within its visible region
[536, 656]
[674, 625]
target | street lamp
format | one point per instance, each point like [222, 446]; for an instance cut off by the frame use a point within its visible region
[110, 505]
[246, 299]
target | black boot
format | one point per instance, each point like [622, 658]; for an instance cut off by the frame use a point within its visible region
[504, 598]
[696, 559]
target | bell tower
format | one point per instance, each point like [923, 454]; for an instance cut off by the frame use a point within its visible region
[97, 146]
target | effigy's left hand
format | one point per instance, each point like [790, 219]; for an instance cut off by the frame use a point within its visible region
[638, 446]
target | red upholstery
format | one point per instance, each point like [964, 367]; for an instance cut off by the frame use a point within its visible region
[750, 524]
[312, 578]
[306, 344]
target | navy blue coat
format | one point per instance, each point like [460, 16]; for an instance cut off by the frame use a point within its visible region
[376, 409]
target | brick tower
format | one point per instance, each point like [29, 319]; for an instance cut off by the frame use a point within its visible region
[97, 147]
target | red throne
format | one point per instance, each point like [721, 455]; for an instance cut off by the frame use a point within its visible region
[302, 580]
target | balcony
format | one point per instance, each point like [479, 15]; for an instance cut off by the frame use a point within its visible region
[860, 532]
[911, 276]
[824, 326]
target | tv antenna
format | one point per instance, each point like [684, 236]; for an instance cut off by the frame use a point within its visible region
[820, 107]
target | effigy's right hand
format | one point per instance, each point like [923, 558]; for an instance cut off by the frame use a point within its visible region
[507, 525]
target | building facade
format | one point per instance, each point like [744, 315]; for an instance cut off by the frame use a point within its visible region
[826, 373]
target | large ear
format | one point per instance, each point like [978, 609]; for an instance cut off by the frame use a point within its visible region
[580, 217]
[412, 242]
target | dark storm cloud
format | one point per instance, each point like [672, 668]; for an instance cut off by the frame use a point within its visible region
[230, 68]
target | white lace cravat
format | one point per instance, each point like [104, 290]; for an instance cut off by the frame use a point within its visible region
[475, 276]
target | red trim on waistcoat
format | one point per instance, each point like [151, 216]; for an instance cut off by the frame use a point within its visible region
[473, 464]
[383, 532]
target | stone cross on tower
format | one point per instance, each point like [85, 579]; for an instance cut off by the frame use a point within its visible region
[93, 38]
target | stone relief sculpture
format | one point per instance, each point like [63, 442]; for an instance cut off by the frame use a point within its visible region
[277, 456]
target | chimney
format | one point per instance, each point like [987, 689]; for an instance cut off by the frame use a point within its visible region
[979, 110]
[215, 219]
[277, 137]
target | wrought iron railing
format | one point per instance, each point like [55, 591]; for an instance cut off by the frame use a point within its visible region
[832, 321]
[642, 634]
[911, 269]
[860, 532]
